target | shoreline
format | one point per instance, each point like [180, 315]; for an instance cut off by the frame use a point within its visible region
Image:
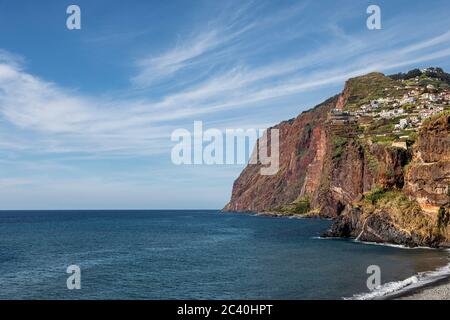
[437, 290]
[430, 285]
[275, 214]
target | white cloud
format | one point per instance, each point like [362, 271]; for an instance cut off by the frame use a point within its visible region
[153, 69]
[44, 117]
[234, 72]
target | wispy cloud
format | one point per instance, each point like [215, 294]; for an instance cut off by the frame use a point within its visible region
[66, 121]
[152, 69]
[250, 65]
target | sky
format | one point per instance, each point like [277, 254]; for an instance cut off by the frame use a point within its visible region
[86, 115]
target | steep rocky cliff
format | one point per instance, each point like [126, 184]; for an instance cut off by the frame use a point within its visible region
[427, 177]
[302, 143]
[348, 159]
[418, 213]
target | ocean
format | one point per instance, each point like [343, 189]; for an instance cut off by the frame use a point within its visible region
[195, 254]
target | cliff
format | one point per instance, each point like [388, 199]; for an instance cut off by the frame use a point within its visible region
[353, 159]
[428, 175]
[302, 143]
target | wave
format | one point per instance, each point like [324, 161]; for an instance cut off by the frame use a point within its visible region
[399, 246]
[395, 288]
[384, 244]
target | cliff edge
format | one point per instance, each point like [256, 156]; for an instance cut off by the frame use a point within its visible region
[375, 158]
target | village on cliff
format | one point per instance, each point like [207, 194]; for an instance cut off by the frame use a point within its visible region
[399, 111]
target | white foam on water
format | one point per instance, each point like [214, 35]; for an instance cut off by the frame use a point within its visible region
[399, 246]
[396, 287]
[384, 244]
[329, 238]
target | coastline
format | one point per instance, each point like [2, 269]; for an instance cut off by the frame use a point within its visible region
[275, 214]
[438, 290]
[430, 285]
[278, 214]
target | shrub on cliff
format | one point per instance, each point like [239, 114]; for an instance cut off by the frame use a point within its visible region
[339, 144]
[443, 219]
[375, 194]
[405, 215]
[302, 206]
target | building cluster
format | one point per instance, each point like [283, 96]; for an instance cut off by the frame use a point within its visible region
[409, 109]
[404, 106]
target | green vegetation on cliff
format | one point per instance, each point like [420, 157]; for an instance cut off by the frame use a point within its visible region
[404, 213]
[443, 219]
[339, 144]
[366, 88]
[300, 206]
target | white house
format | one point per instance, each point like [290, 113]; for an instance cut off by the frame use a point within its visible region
[432, 97]
[374, 104]
[402, 124]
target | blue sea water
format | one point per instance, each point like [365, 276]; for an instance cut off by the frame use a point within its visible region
[195, 254]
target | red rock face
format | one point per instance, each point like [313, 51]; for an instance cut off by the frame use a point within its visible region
[327, 163]
[308, 168]
[346, 180]
[427, 179]
[357, 170]
[302, 149]
[315, 167]
[332, 168]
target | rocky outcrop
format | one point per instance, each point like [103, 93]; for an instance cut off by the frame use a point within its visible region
[378, 227]
[411, 216]
[428, 175]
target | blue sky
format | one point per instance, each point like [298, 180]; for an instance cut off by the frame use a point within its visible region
[86, 115]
